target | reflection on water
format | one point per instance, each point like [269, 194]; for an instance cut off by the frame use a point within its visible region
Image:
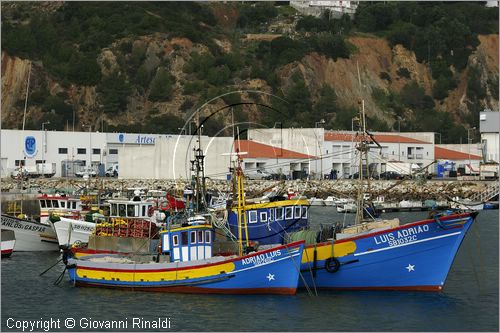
[469, 301]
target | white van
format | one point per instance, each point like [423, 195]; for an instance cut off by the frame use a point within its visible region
[112, 171]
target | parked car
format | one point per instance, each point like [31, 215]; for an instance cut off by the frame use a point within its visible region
[86, 171]
[373, 175]
[278, 176]
[257, 174]
[391, 175]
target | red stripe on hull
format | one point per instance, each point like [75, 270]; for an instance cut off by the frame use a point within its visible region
[198, 290]
[394, 288]
[7, 253]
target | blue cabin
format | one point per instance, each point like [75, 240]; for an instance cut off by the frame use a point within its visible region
[269, 222]
[193, 242]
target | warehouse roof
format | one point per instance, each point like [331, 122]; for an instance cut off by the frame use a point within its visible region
[259, 150]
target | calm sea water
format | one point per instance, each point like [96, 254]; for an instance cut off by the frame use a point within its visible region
[469, 301]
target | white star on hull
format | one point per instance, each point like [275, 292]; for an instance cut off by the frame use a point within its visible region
[410, 268]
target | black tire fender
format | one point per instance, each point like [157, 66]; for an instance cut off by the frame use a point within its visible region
[332, 265]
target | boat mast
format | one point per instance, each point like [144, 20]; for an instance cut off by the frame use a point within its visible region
[241, 209]
[198, 168]
[363, 148]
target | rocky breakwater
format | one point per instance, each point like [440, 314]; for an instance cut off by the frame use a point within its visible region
[391, 190]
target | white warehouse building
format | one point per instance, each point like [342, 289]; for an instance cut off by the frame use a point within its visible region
[70, 151]
[489, 127]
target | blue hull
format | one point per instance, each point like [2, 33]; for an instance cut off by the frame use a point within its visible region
[415, 256]
[274, 271]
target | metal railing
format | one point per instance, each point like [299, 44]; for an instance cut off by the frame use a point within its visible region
[490, 192]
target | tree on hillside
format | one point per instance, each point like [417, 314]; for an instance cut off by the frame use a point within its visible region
[162, 86]
[327, 102]
[113, 92]
[298, 96]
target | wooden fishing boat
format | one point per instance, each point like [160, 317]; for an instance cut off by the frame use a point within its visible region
[185, 265]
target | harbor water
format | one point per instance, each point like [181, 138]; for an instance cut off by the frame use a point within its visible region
[469, 301]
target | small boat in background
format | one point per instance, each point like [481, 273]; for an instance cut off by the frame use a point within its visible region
[8, 241]
[466, 204]
[330, 201]
[347, 207]
[316, 201]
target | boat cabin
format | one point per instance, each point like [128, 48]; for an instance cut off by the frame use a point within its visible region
[59, 202]
[131, 209]
[189, 243]
[268, 222]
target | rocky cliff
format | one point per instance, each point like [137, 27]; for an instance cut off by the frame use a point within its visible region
[380, 66]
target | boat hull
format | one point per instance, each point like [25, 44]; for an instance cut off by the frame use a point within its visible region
[70, 231]
[415, 256]
[8, 242]
[274, 271]
[31, 236]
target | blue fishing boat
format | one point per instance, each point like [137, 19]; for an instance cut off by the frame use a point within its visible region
[272, 271]
[415, 256]
[185, 261]
[269, 222]
[382, 254]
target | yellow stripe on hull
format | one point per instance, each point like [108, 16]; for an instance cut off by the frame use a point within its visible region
[292, 202]
[324, 251]
[197, 227]
[156, 276]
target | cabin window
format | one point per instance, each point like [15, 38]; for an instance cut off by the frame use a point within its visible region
[252, 216]
[304, 212]
[113, 210]
[263, 216]
[63, 204]
[55, 204]
[193, 237]
[288, 213]
[271, 214]
[184, 238]
[143, 210]
[121, 210]
[200, 236]
[49, 204]
[207, 237]
[175, 240]
[279, 214]
[297, 212]
[131, 210]
[42, 203]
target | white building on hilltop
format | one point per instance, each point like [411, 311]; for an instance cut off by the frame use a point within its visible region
[317, 7]
[489, 127]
